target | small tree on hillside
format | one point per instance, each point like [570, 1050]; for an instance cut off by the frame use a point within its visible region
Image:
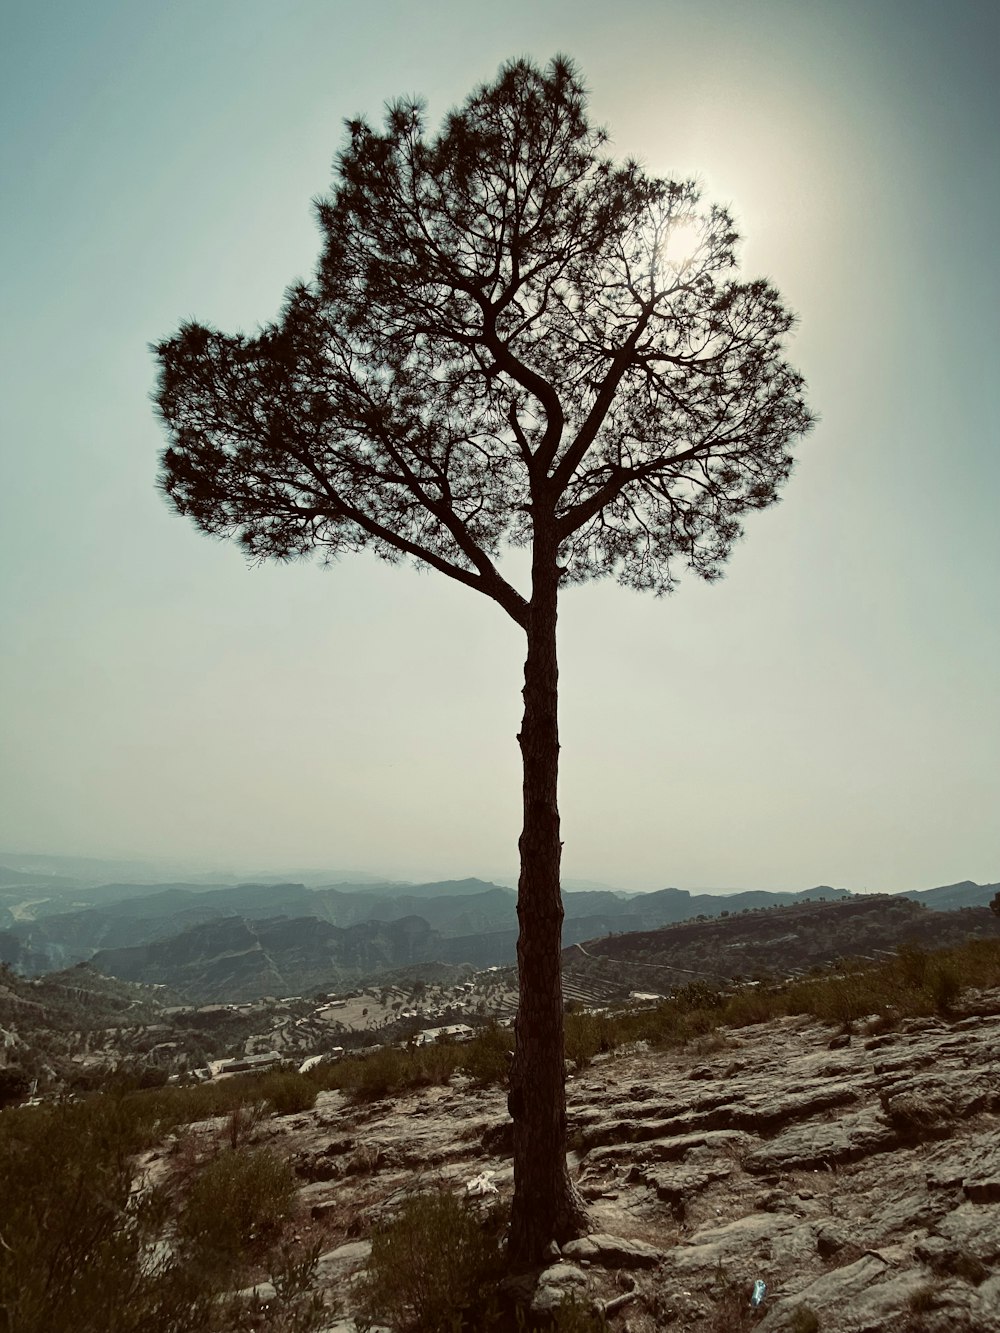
[510, 341]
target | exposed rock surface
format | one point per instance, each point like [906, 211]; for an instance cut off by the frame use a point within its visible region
[860, 1183]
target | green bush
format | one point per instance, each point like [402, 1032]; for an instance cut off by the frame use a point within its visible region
[242, 1122]
[911, 963]
[14, 1086]
[389, 1070]
[699, 995]
[439, 1060]
[486, 1059]
[385, 1071]
[576, 1316]
[585, 1035]
[747, 1007]
[238, 1202]
[82, 1247]
[434, 1268]
[287, 1093]
[945, 985]
[77, 1243]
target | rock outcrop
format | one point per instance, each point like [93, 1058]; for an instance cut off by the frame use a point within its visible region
[861, 1184]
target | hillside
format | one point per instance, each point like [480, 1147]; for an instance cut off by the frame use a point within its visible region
[240, 959]
[226, 943]
[852, 1175]
[40, 932]
[860, 1185]
[47, 1022]
[236, 959]
[780, 942]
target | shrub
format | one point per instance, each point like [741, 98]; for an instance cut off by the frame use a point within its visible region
[77, 1243]
[747, 1007]
[14, 1086]
[575, 1316]
[237, 1202]
[585, 1036]
[436, 1264]
[486, 1059]
[388, 1070]
[287, 1093]
[699, 995]
[82, 1245]
[382, 1072]
[924, 1298]
[293, 1271]
[731, 1310]
[945, 986]
[438, 1061]
[911, 962]
[242, 1121]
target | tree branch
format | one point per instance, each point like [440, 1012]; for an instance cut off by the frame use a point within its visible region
[487, 581]
[573, 518]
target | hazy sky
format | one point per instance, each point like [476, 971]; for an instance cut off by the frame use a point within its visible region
[827, 714]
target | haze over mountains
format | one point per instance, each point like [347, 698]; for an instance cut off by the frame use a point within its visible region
[242, 940]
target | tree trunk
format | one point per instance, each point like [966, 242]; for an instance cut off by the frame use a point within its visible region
[546, 1206]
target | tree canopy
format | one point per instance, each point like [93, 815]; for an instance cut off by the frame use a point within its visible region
[504, 324]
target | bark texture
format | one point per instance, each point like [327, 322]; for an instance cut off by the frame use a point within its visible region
[546, 1206]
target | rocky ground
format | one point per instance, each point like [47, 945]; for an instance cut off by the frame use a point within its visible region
[857, 1176]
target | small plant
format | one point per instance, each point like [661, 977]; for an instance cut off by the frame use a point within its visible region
[732, 1312]
[287, 1093]
[438, 1061]
[242, 1121]
[912, 963]
[945, 986]
[709, 1043]
[293, 1270]
[960, 1264]
[436, 1264]
[238, 1202]
[924, 1298]
[365, 1160]
[486, 1059]
[574, 1315]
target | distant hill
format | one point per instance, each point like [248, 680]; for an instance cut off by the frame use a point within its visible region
[480, 917]
[33, 880]
[240, 959]
[236, 959]
[780, 942]
[65, 938]
[462, 921]
[954, 897]
[78, 999]
[446, 888]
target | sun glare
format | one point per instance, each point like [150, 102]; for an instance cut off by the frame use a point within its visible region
[683, 243]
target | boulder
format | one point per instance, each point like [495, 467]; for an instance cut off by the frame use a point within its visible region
[613, 1251]
[555, 1284]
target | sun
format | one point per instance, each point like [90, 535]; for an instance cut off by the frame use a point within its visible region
[684, 240]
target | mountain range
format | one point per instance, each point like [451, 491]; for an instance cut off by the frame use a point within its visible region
[246, 940]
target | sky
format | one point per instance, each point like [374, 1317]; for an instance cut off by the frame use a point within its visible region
[828, 713]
